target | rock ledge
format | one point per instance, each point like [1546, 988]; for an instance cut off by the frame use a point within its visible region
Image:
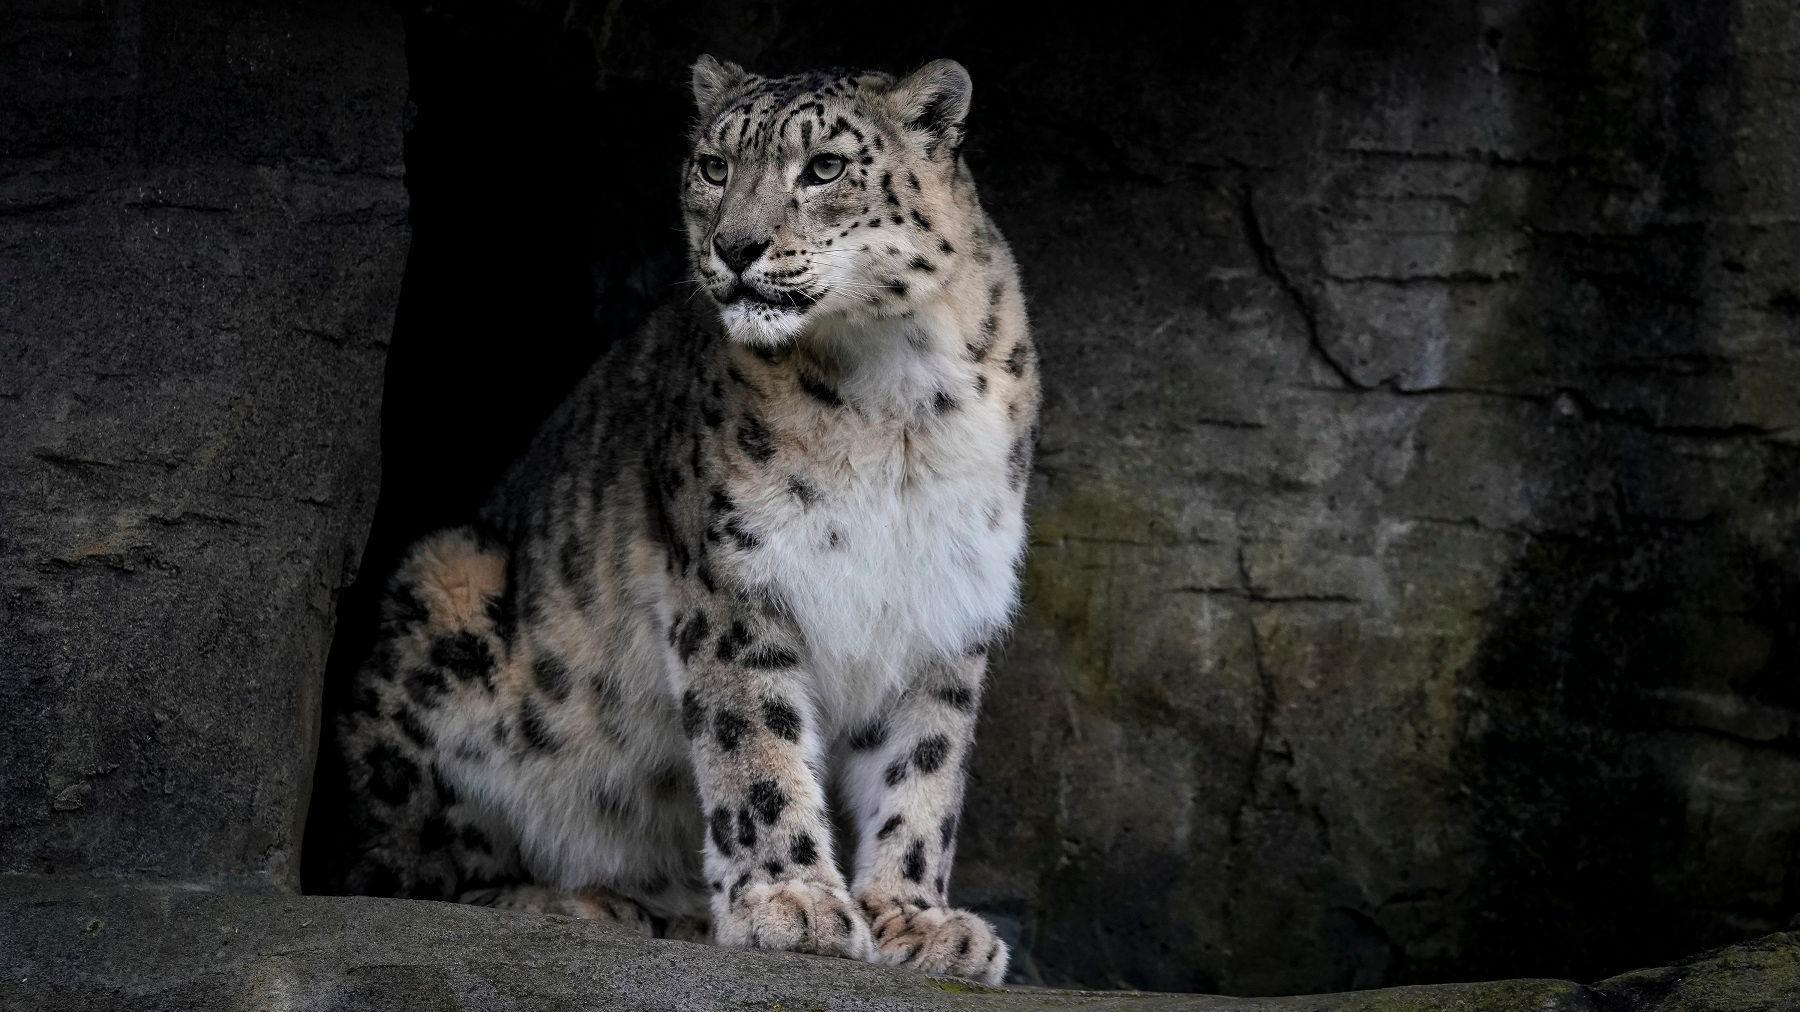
[93, 944]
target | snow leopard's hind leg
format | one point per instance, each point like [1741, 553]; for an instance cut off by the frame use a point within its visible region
[444, 627]
[426, 700]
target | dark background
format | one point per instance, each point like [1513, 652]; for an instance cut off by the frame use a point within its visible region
[1414, 591]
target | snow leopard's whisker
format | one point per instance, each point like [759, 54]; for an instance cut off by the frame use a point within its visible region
[835, 289]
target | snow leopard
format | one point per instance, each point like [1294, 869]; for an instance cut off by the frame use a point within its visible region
[737, 598]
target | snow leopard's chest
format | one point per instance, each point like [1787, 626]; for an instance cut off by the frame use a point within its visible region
[891, 553]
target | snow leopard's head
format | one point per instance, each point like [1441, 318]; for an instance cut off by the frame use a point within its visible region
[824, 193]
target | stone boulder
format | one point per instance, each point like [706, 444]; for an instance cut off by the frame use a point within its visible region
[202, 232]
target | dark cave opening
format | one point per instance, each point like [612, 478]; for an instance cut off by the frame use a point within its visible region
[535, 245]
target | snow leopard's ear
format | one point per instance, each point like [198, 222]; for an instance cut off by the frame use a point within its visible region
[932, 102]
[713, 78]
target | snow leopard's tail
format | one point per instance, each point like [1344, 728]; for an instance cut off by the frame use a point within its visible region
[446, 624]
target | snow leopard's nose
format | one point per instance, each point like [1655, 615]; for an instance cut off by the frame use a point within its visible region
[739, 254]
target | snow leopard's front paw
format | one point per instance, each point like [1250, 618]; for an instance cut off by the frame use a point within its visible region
[935, 939]
[795, 916]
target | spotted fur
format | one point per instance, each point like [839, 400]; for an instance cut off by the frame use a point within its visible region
[756, 559]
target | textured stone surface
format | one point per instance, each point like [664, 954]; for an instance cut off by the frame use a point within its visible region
[1415, 591]
[88, 946]
[202, 230]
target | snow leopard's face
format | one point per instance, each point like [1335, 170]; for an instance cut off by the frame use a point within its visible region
[821, 193]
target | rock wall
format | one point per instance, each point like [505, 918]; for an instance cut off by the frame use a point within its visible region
[202, 226]
[1414, 572]
[1414, 587]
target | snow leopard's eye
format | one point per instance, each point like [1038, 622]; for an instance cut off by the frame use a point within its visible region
[714, 169]
[824, 168]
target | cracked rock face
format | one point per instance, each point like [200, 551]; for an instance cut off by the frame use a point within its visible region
[1415, 584]
[202, 227]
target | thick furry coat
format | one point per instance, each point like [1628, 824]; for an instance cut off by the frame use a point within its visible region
[753, 563]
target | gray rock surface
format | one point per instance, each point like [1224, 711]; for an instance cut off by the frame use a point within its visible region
[202, 231]
[89, 946]
[1415, 590]
[1415, 581]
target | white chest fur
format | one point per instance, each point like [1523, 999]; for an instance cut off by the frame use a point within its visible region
[907, 552]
